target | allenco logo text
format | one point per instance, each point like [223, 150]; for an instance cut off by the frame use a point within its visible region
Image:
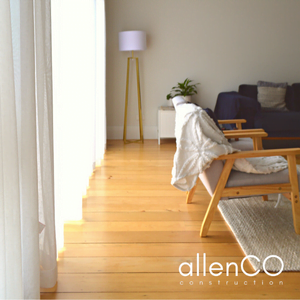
[216, 269]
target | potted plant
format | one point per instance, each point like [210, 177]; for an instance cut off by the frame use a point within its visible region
[185, 89]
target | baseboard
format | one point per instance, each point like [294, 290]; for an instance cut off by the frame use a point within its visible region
[116, 132]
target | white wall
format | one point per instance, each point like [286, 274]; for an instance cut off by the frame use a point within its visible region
[219, 43]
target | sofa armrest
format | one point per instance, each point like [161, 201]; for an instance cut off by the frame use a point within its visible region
[232, 105]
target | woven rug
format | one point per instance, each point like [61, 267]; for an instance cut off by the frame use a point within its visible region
[263, 230]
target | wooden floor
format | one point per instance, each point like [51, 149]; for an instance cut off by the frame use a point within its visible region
[137, 230]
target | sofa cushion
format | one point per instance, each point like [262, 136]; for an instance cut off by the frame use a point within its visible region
[287, 122]
[271, 95]
[292, 97]
[248, 90]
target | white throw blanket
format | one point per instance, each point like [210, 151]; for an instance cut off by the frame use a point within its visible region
[199, 141]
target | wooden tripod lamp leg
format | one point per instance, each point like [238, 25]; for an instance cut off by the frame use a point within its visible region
[139, 99]
[126, 101]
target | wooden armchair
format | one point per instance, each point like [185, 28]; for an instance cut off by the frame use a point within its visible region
[255, 134]
[233, 184]
[242, 139]
[223, 182]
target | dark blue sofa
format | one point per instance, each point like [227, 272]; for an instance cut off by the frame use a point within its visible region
[283, 127]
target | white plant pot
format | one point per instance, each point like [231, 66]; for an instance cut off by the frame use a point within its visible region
[188, 98]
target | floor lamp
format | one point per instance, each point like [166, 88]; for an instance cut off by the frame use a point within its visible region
[133, 41]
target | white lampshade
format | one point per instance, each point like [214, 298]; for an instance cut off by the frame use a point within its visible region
[132, 40]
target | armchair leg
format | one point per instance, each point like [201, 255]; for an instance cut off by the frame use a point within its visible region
[190, 194]
[295, 192]
[265, 197]
[216, 197]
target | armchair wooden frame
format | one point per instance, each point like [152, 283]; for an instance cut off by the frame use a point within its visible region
[255, 134]
[238, 122]
[291, 188]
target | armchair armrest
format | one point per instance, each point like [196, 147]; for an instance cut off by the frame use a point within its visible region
[234, 134]
[237, 122]
[243, 130]
[261, 153]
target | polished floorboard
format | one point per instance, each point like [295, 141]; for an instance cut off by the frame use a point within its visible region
[137, 230]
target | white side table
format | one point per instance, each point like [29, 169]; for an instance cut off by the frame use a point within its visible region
[166, 122]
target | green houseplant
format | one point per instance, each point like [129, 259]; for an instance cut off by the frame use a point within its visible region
[186, 88]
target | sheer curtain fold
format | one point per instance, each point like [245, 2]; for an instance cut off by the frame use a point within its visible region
[45, 166]
[10, 229]
[100, 107]
[79, 102]
[26, 155]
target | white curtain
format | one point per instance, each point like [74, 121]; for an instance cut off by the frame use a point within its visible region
[100, 107]
[27, 231]
[78, 35]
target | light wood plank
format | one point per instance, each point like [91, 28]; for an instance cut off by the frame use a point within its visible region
[147, 237]
[143, 264]
[151, 249]
[212, 293]
[146, 178]
[81, 226]
[179, 199]
[132, 193]
[147, 216]
[162, 186]
[163, 282]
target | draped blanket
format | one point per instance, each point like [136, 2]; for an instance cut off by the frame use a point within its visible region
[199, 141]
